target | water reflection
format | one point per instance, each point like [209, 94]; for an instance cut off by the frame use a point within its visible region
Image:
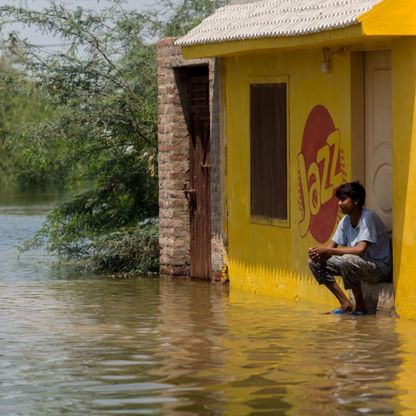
[294, 360]
[406, 378]
[146, 346]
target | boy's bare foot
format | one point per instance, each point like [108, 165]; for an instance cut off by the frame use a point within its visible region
[346, 307]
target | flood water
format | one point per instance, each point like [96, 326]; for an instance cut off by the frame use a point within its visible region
[74, 344]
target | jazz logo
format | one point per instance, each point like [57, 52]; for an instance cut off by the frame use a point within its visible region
[320, 172]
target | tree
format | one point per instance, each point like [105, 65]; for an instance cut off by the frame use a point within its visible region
[103, 127]
[21, 105]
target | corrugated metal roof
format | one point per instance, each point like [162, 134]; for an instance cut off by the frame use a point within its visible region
[276, 18]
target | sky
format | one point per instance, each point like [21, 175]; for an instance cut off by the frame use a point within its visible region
[42, 39]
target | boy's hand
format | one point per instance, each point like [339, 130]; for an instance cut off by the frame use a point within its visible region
[318, 253]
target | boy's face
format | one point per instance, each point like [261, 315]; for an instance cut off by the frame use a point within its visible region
[347, 205]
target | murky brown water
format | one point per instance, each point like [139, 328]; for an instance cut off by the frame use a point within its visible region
[90, 345]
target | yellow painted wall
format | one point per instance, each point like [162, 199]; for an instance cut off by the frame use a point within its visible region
[404, 174]
[272, 259]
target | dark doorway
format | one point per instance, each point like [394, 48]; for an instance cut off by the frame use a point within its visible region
[198, 193]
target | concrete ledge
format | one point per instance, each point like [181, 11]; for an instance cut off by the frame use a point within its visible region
[379, 298]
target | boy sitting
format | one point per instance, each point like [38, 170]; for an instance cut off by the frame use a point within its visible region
[359, 250]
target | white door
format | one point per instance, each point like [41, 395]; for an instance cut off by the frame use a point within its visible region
[378, 134]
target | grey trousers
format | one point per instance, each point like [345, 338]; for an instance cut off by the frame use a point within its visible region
[353, 269]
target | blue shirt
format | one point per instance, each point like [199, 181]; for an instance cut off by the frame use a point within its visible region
[370, 229]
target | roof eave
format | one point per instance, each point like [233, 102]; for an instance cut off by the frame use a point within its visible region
[346, 35]
[389, 18]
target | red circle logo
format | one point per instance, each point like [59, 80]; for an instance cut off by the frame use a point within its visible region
[320, 172]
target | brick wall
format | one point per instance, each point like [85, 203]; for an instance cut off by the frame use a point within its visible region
[173, 161]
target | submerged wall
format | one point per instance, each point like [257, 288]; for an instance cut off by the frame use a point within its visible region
[322, 111]
[404, 175]
[272, 259]
[173, 161]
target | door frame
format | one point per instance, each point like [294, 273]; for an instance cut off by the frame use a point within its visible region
[358, 121]
[199, 192]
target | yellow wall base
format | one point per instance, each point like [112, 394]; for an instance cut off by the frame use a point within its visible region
[281, 283]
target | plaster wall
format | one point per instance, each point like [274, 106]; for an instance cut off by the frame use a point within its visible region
[272, 259]
[404, 174]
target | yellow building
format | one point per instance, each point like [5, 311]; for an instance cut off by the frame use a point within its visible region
[313, 93]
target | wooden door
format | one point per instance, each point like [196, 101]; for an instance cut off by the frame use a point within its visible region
[378, 131]
[200, 179]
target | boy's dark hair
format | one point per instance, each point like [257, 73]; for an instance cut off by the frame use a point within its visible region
[353, 190]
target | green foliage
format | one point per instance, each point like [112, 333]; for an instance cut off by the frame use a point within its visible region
[93, 116]
[127, 250]
[134, 249]
[111, 205]
[102, 88]
[23, 109]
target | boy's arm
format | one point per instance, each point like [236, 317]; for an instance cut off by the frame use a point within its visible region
[332, 249]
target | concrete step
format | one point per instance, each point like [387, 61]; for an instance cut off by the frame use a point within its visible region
[379, 298]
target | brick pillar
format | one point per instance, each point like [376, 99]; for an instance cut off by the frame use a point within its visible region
[173, 162]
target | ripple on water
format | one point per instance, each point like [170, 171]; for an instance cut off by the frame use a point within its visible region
[147, 346]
